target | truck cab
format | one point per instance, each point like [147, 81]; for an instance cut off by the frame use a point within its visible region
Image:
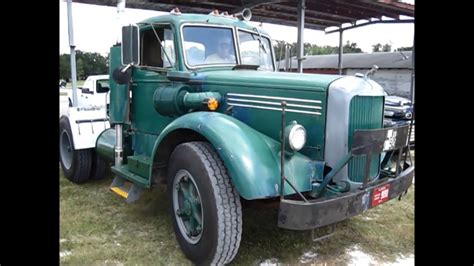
[212, 120]
[94, 92]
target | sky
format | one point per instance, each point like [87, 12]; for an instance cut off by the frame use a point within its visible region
[95, 30]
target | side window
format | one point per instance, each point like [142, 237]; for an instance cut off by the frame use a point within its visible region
[152, 53]
[168, 45]
[255, 50]
[102, 86]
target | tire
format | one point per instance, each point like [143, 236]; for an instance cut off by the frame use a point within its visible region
[98, 167]
[76, 164]
[218, 240]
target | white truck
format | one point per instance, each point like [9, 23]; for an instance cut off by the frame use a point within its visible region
[82, 125]
[94, 92]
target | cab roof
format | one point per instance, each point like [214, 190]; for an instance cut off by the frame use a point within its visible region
[177, 20]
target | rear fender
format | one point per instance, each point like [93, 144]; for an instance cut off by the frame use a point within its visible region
[86, 125]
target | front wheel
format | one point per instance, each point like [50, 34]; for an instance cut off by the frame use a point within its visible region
[205, 208]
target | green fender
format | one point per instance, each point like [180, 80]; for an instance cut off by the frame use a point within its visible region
[251, 158]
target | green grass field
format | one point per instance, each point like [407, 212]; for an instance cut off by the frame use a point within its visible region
[98, 227]
[80, 83]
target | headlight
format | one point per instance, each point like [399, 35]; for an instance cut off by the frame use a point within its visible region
[295, 136]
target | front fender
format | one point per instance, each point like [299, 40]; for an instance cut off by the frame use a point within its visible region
[251, 158]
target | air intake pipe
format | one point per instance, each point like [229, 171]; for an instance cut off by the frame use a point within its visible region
[172, 101]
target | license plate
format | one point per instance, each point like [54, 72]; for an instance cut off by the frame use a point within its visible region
[380, 194]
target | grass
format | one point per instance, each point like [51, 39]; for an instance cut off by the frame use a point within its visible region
[98, 227]
[80, 83]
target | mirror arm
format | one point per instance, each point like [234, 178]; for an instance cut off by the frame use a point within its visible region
[126, 67]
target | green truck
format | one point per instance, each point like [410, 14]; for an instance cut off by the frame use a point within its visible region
[196, 104]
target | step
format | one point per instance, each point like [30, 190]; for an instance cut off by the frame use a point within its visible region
[140, 165]
[129, 191]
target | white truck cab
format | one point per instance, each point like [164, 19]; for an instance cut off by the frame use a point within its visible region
[94, 92]
[89, 118]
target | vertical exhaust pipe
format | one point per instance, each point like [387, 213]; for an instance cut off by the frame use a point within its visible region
[118, 145]
[73, 53]
[119, 127]
[120, 11]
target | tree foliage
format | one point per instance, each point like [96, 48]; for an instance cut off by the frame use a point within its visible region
[313, 49]
[378, 47]
[86, 64]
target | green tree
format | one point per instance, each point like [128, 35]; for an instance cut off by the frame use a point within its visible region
[314, 49]
[381, 48]
[64, 67]
[376, 47]
[351, 47]
[80, 69]
[387, 47]
[86, 64]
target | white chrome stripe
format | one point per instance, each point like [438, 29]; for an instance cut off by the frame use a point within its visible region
[274, 103]
[273, 98]
[274, 108]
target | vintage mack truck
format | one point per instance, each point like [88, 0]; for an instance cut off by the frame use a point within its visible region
[196, 103]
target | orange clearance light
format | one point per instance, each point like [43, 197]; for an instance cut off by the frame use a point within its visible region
[212, 104]
[175, 11]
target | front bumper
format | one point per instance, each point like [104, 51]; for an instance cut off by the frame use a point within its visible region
[300, 215]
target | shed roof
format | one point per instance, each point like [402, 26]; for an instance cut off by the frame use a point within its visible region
[356, 60]
[319, 14]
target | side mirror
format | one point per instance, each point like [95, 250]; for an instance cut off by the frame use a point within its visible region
[130, 45]
[122, 75]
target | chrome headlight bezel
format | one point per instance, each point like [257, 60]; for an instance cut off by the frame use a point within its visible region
[295, 135]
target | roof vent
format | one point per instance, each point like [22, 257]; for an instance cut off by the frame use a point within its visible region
[214, 12]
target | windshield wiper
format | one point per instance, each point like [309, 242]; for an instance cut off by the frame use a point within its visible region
[161, 45]
[260, 40]
[252, 67]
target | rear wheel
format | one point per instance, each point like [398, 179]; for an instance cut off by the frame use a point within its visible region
[76, 164]
[205, 208]
[98, 166]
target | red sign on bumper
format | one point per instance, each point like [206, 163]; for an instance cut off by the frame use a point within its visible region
[380, 195]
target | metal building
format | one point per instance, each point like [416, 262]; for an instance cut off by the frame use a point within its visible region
[394, 73]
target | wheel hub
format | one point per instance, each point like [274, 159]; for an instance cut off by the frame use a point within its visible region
[65, 150]
[187, 206]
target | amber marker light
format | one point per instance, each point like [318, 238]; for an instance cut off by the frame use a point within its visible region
[212, 104]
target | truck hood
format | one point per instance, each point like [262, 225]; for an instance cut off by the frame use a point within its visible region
[274, 80]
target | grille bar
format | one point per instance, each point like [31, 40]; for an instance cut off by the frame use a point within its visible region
[366, 112]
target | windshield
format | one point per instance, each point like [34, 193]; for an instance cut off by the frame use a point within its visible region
[209, 46]
[252, 52]
[205, 45]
